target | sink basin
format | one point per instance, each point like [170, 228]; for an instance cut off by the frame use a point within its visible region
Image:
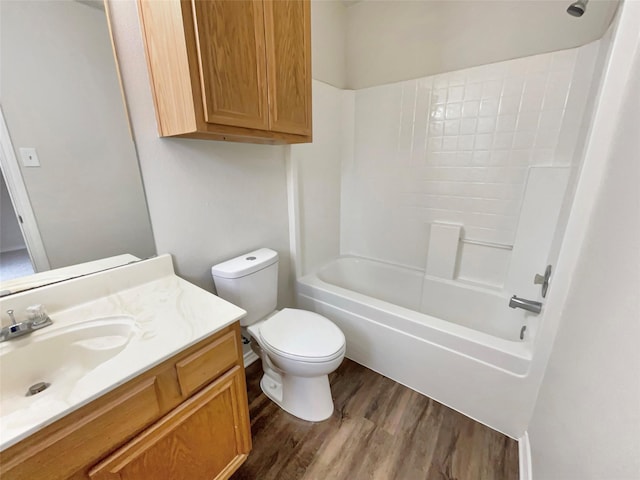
[59, 357]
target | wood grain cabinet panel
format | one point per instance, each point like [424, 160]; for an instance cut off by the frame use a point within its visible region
[206, 364]
[288, 37]
[202, 439]
[232, 61]
[237, 70]
[168, 65]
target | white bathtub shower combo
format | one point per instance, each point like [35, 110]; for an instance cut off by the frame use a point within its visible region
[453, 339]
[423, 206]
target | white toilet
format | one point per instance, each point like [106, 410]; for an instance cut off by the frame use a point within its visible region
[298, 349]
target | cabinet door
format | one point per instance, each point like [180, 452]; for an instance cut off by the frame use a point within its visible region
[229, 38]
[288, 37]
[205, 438]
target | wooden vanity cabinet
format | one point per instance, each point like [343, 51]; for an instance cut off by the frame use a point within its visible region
[199, 440]
[186, 418]
[237, 70]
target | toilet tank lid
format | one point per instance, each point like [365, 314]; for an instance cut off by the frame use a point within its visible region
[245, 264]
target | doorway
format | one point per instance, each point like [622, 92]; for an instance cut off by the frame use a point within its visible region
[21, 249]
[14, 256]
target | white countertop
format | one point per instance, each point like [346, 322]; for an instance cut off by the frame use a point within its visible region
[59, 274]
[170, 315]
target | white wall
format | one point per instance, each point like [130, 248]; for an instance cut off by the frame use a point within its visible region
[60, 94]
[456, 148]
[329, 37]
[208, 200]
[318, 168]
[10, 234]
[389, 41]
[587, 416]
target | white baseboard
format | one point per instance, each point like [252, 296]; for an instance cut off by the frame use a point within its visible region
[14, 249]
[524, 457]
[249, 357]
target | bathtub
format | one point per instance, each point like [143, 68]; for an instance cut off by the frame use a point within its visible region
[455, 342]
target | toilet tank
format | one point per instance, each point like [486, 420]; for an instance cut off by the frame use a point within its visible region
[249, 281]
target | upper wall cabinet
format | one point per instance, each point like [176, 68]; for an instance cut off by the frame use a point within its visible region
[237, 70]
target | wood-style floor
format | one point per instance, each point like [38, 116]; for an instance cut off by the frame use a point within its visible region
[379, 430]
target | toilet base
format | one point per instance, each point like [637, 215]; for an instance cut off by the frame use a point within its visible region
[308, 398]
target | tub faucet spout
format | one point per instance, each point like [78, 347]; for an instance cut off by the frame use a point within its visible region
[528, 305]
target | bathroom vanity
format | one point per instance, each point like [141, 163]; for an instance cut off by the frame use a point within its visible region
[169, 402]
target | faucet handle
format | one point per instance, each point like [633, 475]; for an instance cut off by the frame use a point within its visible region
[35, 311]
[37, 314]
[11, 316]
[543, 280]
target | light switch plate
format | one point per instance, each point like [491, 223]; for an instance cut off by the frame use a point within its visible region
[29, 157]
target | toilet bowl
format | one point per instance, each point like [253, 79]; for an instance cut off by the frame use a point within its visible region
[298, 348]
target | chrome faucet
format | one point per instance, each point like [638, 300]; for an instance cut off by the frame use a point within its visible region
[528, 305]
[38, 319]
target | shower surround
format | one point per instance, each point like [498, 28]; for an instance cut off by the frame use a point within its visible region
[488, 152]
[456, 148]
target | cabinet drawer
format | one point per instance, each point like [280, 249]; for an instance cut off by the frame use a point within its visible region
[71, 446]
[206, 364]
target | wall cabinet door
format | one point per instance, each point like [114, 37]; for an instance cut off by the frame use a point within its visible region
[231, 55]
[288, 42]
[205, 438]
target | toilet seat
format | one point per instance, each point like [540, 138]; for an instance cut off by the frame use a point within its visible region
[297, 358]
[302, 335]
